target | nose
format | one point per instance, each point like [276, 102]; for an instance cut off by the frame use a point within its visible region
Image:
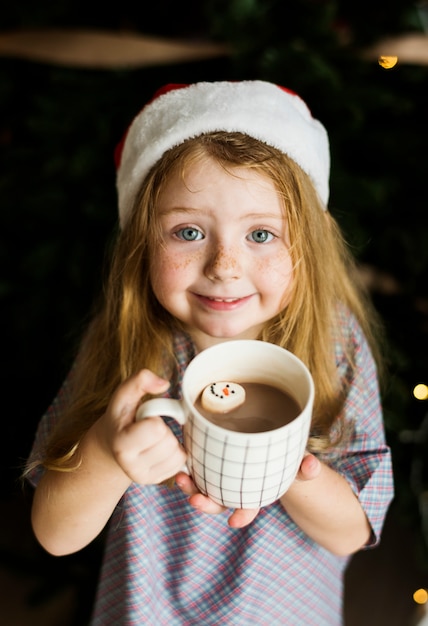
[223, 264]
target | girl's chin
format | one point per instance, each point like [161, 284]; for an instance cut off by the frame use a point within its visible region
[211, 336]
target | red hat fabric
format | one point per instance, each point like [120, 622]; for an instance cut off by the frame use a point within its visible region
[263, 110]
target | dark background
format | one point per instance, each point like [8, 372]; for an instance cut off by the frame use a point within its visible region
[58, 129]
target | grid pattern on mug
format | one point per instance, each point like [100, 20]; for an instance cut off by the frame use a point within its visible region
[246, 475]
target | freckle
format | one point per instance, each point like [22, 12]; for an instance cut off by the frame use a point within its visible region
[179, 263]
[227, 261]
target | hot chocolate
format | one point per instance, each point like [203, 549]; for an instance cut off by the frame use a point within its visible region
[265, 408]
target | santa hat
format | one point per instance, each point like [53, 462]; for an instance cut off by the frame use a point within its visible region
[268, 112]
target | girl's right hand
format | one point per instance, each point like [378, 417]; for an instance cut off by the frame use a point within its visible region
[147, 451]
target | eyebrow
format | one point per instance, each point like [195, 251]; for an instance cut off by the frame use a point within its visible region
[192, 211]
[177, 209]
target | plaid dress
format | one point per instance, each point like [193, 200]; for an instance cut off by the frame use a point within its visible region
[166, 564]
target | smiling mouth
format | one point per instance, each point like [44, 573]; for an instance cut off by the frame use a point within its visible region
[222, 304]
[223, 299]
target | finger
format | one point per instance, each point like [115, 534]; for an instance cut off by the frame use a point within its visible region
[238, 519]
[196, 498]
[205, 504]
[148, 451]
[144, 434]
[242, 517]
[186, 484]
[127, 397]
[310, 468]
[165, 469]
[150, 438]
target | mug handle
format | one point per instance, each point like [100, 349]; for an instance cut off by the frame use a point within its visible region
[167, 407]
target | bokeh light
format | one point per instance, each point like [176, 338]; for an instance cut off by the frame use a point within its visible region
[420, 596]
[387, 62]
[421, 391]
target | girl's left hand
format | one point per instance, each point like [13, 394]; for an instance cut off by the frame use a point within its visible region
[239, 517]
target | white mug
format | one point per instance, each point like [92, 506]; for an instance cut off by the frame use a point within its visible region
[240, 469]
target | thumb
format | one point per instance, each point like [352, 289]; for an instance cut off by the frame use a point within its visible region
[127, 397]
[310, 467]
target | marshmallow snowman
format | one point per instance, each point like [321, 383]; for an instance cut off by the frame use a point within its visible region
[222, 397]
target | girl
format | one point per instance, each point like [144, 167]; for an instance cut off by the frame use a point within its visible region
[223, 190]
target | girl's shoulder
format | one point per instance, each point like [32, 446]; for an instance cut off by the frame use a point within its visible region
[46, 426]
[347, 332]
[353, 351]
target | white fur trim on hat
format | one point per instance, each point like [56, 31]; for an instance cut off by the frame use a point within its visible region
[260, 109]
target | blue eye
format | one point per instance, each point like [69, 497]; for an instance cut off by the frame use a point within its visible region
[260, 236]
[189, 234]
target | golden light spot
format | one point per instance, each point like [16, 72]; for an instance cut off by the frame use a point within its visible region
[387, 62]
[421, 392]
[420, 596]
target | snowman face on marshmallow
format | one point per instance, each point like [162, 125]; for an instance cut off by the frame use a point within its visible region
[222, 397]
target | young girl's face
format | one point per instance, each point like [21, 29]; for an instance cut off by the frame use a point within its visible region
[223, 268]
